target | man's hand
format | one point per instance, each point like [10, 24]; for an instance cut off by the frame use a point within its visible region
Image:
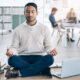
[9, 53]
[59, 21]
[53, 52]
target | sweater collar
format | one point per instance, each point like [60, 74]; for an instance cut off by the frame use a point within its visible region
[26, 25]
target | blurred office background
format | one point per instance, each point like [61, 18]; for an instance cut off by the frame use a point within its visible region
[12, 14]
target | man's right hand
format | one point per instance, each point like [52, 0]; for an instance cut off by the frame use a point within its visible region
[60, 20]
[9, 53]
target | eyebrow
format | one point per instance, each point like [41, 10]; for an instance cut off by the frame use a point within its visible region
[31, 10]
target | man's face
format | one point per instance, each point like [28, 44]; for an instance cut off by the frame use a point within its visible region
[54, 12]
[30, 13]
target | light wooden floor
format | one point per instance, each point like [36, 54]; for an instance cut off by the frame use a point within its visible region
[40, 77]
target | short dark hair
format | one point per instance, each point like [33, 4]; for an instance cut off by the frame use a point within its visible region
[31, 4]
[54, 9]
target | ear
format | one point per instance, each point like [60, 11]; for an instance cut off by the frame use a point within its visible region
[37, 13]
[24, 12]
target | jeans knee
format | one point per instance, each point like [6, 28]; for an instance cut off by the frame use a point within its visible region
[11, 59]
[49, 59]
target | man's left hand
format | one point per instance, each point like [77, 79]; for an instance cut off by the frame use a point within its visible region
[53, 52]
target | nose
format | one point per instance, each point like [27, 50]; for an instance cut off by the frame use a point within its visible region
[30, 14]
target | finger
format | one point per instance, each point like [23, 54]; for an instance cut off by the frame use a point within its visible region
[55, 51]
[9, 54]
[6, 53]
[7, 50]
[53, 54]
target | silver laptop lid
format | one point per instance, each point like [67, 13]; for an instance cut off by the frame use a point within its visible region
[70, 67]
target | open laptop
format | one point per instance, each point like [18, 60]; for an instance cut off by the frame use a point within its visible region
[70, 67]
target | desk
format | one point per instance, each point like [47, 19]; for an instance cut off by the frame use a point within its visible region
[69, 26]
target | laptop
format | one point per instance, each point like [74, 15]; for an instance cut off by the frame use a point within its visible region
[70, 67]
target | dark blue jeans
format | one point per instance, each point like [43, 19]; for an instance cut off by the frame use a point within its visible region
[30, 65]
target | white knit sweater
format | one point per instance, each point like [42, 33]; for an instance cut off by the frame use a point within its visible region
[31, 40]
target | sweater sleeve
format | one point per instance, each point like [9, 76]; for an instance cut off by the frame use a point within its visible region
[15, 43]
[48, 44]
[52, 20]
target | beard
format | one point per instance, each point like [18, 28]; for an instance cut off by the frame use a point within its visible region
[30, 19]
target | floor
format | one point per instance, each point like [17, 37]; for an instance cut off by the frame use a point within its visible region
[41, 77]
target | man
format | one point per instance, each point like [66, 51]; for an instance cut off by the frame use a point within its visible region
[54, 23]
[30, 40]
[52, 18]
